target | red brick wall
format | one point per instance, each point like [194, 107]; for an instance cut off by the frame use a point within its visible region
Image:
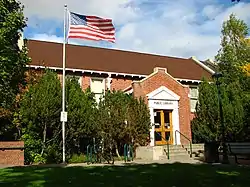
[184, 112]
[162, 79]
[85, 82]
[116, 83]
[192, 116]
[12, 153]
[120, 83]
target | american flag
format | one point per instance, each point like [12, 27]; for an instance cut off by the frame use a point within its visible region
[91, 28]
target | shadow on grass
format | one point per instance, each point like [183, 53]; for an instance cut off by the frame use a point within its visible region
[173, 175]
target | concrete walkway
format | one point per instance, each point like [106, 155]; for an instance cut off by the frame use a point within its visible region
[141, 162]
[135, 162]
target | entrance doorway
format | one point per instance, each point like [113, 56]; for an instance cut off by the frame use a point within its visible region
[163, 127]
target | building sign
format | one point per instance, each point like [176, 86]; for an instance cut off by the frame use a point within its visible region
[163, 103]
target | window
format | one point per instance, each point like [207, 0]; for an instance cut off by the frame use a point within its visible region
[193, 98]
[97, 86]
[157, 119]
[77, 77]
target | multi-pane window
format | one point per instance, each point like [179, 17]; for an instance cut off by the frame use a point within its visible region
[97, 86]
[77, 77]
[193, 98]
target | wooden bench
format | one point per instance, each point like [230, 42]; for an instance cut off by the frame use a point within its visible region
[239, 149]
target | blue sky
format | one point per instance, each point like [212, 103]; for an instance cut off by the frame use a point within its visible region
[181, 28]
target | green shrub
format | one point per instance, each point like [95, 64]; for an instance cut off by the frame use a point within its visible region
[38, 158]
[78, 158]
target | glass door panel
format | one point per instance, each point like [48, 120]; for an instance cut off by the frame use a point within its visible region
[163, 127]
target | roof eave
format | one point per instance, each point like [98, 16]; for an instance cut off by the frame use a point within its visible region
[108, 73]
[202, 65]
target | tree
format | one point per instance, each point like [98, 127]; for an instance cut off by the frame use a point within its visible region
[235, 89]
[112, 118]
[235, 51]
[246, 67]
[40, 110]
[12, 63]
[139, 122]
[205, 126]
[232, 57]
[13, 59]
[123, 119]
[82, 112]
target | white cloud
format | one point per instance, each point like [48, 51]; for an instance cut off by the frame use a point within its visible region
[57, 39]
[47, 37]
[54, 9]
[174, 28]
[211, 10]
[180, 32]
[127, 32]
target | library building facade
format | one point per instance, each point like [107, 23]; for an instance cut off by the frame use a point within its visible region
[169, 85]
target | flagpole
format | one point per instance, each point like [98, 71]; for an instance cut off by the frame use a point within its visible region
[63, 114]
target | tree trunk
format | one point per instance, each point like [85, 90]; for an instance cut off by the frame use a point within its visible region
[19, 133]
[117, 151]
[44, 138]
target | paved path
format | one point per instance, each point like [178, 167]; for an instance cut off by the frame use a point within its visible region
[141, 162]
[135, 162]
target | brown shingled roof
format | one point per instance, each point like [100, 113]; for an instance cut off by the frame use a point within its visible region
[98, 59]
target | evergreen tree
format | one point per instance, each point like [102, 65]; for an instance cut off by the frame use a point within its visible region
[233, 56]
[112, 112]
[40, 110]
[205, 126]
[235, 88]
[138, 122]
[124, 119]
[82, 112]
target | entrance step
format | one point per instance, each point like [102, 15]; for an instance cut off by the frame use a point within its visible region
[175, 157]
[183, 151]
[170, 161]
[175, 152]
[196, 148]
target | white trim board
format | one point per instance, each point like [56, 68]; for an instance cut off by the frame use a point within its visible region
[166, 94]
[106, 72]
[202, 65]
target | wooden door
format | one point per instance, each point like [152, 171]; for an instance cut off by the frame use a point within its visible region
[163, 127]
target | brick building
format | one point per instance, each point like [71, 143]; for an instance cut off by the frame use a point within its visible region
[168, 84]
[11, 153]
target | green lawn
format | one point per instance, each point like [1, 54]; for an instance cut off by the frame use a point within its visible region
[173, 175]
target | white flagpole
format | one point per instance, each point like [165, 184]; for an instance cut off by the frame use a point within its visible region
[63, 114]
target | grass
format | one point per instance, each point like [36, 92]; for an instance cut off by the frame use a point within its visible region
[172, 175]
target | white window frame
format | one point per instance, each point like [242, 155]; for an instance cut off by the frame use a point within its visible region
[193, 98]
[98, 79]
[79, 80]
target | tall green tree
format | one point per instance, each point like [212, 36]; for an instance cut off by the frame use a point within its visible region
[233, 56]
[12, 64]
[124, 119]
[234, 86]
[139, 123]
[112, 118]
[82, 111]
[12, 58]
[40, 110]
[205, 126]
[234, 52]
